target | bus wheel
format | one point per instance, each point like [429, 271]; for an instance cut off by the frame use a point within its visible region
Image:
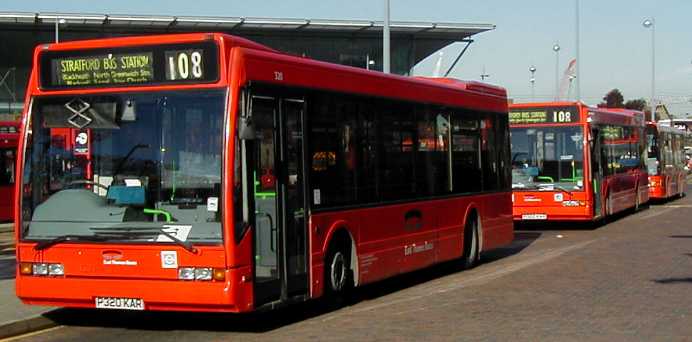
[337, 275]
[609, 204]
[471, 246]
[681, 194]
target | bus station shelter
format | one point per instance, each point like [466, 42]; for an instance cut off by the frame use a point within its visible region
[349, 42]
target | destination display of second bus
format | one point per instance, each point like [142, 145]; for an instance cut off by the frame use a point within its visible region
[544, 115]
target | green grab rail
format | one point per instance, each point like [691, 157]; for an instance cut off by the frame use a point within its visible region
[167, 215]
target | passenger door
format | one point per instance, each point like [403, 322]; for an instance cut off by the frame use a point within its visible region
[276, 159]
[596, 172]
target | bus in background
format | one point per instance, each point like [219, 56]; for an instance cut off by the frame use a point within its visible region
[205, 172]
[684, 124]
[571, 162]
[9, 137]
[666, 160]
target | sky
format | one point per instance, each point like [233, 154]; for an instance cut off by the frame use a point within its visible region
[615, 48]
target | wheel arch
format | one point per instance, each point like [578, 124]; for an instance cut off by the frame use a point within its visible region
[473, 212]
[340, 230]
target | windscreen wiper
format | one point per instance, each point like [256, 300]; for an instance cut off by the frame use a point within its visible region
[563, 190]
[133, 232]
[45, 244]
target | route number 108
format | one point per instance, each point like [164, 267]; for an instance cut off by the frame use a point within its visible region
[185, 65]
[562, 116]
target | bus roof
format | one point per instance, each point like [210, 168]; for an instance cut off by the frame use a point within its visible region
[257, 58]
[150, 40]
[661, 127]
[598, 115]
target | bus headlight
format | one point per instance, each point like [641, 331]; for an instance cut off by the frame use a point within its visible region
[186, 273]
[39, 269]
[203, 273]
[56, 269]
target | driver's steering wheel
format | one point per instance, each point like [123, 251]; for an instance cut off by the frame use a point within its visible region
[84, 181]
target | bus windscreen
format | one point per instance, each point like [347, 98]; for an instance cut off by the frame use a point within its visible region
[149, 160]
[547, 157]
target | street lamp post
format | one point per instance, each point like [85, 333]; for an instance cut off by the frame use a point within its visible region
[556, 48]
[385, 39]
[578, 65]
[58, 21]
[369, 63]
[650, 23]
[532, 70]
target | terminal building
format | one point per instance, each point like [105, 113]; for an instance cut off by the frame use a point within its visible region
[355, 43]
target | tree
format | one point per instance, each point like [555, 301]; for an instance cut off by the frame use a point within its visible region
[613, 99]
[636, 104]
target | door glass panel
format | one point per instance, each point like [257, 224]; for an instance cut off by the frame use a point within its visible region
[264, 184]
[296, 262]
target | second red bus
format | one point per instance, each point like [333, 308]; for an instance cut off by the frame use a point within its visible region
[572, 162]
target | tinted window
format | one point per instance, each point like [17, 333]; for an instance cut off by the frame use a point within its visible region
[365, 150]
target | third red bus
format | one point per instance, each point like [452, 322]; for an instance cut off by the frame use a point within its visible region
[666, 160]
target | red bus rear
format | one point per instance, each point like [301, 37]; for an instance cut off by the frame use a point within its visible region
[571, 162]
[204, 172]
[9, 137]
[666, 160]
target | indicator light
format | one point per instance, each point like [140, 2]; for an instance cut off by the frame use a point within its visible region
[25, 268]
[219, 274]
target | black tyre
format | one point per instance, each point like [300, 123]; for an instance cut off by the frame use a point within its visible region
[338, 276]
[471, 253]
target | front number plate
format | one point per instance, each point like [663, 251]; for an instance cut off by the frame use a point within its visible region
[119, 303]
[534, 217]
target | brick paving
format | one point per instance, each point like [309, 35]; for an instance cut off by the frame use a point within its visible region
[628, 280]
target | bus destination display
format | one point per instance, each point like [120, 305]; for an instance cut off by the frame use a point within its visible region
[544, 115]
[107, 69]
[131, 66]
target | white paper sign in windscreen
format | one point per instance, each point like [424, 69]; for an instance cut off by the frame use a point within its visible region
[179, 232]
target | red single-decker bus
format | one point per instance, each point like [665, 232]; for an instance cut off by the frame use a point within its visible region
[571, 162]
[205, 172]
[666, 160]
[9, 137]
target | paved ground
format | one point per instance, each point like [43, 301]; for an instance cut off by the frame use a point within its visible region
[628, 280]
[6, 227]
[11, 309]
